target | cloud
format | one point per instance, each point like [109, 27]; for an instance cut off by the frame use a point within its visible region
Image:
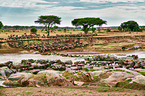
[113, 11]
[21, 3]
[113, 1]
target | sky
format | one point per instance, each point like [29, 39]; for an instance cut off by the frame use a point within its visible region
[25, 12]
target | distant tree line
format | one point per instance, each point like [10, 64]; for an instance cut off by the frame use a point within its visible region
[87, 23]
[18, 27]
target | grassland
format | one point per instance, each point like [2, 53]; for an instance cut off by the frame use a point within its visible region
[7, 32]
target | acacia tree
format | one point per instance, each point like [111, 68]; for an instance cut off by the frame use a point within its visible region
[88, 23]
[100, 23]
[48, 21]
[1, 25]
[130, 25]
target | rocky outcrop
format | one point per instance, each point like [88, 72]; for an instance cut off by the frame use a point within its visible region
[139, 79]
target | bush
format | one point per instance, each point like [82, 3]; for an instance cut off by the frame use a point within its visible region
[115, 31]
[86, 69]
[140, 30]
[33, 31]
[108, 30]
[95, 34]
[64, 30]
[59, 30]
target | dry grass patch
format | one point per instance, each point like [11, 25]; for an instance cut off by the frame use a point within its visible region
[69, 91]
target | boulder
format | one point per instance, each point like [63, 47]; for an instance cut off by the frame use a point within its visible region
[34, 71]
[116, 76]
[87, 77]
[97, 73]
[139, 79]
[39, 79]
[58, 61]
[19, 75]
[68, 62]
[79, 83]
[5, 72]
[49, 73]
[59, 82]
[11, 83]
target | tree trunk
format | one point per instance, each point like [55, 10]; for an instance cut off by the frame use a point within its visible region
[86, 29]
[47, 33]
[48, 29]
[99, 29]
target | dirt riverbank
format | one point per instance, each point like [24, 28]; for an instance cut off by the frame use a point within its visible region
[70, 91]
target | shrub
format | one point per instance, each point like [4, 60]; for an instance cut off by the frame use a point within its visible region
[104, 85]
[108, 30]
[86, 69]
[95, 34]
[33, 31]
[64, 30]
[59, 30]
[140, 30]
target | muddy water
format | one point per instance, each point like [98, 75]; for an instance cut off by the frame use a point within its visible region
[141, 54]
[16, 58]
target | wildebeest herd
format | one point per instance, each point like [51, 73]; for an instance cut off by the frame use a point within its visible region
[31, 36]
[63, 42]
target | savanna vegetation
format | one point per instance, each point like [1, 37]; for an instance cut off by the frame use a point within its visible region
[86, 25]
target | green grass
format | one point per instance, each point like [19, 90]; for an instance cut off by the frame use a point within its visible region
[103, 85]
[128, 85]
[108, 89]
[122, 70]
[143, 73]
[29, 93]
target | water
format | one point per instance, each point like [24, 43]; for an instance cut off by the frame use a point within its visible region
[141, 54]
[16, 58]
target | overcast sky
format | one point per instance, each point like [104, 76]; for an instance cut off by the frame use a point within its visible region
[25, 12]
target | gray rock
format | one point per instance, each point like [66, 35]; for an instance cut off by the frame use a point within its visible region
[139, 79]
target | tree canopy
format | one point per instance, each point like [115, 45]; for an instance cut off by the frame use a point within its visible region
[88, 22]
[48, 21]
[130, 25]
[1, 25]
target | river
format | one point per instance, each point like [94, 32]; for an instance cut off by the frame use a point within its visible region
[16, 58]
